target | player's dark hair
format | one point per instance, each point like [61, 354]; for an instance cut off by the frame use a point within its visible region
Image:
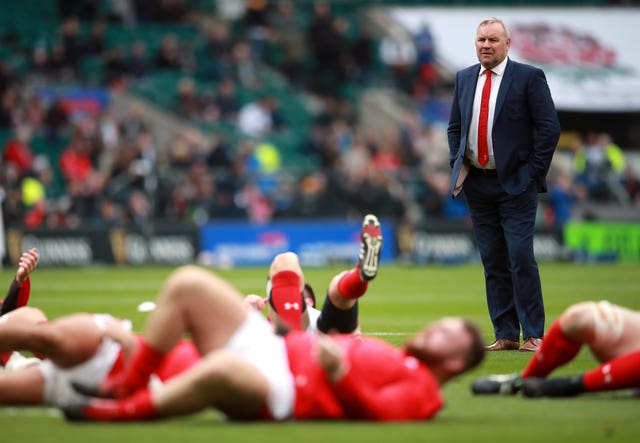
[308, 293]
[476, 351]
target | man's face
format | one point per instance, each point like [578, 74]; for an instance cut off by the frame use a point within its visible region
[491, 45]
[445, 339]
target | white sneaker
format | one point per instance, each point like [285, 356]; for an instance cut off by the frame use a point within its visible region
[370, 247]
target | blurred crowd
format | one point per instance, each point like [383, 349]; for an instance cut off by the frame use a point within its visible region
[96, 168]
[595, 170]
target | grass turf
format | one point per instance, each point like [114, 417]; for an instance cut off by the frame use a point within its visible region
[398, 302]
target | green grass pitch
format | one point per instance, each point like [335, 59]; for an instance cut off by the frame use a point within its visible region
[398, 302]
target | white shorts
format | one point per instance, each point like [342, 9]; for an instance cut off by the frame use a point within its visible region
[256, 342]
[608, 322]
[57, 381]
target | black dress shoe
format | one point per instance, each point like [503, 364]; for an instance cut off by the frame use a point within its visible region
[508, 384]
[503, 344]
[552, 387]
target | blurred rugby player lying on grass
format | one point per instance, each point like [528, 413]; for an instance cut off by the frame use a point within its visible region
[91, 349]
[612, 334]
[78, 348]
[248, 372]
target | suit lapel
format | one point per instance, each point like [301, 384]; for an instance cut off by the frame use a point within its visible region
[469, 94]
[504, 88]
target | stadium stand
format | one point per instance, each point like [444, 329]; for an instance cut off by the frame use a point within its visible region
[342, 136]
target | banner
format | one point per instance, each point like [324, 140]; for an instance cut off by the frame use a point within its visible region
[451, 243]
[316, 243]
[78, 101]
[82, 247]
[589, 55]
[245, 244]
[603, 241]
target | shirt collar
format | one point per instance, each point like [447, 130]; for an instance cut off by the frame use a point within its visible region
[497, 70]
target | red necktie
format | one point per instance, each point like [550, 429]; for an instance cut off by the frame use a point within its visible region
[483, 149]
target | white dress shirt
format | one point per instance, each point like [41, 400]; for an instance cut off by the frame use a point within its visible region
[472, 143]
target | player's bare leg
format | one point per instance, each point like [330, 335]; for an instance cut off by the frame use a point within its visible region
[67, 341]
[340, 309]
[613, 336]
[199, 302]
[193, 301]
[22, 388]
[221, 380]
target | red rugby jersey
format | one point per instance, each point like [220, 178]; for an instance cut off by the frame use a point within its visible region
[383, 382]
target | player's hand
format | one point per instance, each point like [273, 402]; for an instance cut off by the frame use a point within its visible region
[255, 301]
[331, 358]
[120, 332]
[27, 264]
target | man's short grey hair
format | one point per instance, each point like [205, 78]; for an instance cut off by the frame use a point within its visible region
[490, 20]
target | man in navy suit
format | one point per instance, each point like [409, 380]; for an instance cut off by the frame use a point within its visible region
[502, 135]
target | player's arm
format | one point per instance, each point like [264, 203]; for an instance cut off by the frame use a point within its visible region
[20, 288]
[398, 399]
[117, 332]
[331, 358]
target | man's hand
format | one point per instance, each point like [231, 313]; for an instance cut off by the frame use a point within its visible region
[28, 263]
[255, 301]
[330, 358]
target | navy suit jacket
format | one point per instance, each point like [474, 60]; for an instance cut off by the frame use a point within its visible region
[525, 126]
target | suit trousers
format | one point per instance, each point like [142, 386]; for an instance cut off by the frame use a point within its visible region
[503, 226]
